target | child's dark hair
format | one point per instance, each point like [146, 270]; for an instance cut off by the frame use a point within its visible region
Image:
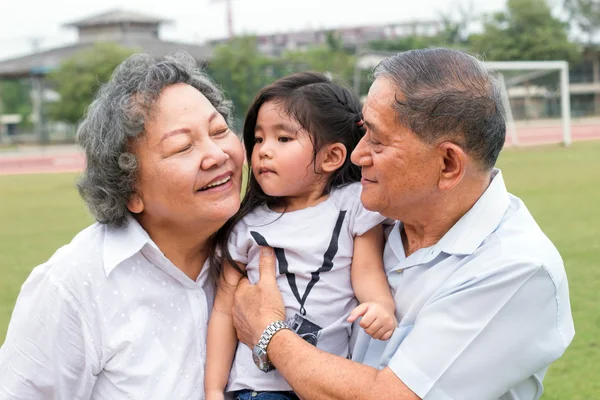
[329, 112]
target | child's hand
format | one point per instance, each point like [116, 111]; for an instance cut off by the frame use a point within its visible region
[376, 320]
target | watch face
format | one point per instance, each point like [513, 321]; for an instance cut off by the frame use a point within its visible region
[260, 359]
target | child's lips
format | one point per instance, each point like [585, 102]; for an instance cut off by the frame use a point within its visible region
[262, 171]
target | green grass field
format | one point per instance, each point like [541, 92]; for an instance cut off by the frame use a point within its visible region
[561, 187]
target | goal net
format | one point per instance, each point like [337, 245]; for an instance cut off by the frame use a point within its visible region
[535, 93]
[537, 101]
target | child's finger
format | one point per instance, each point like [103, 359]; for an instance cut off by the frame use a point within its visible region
[368, 319]
[387, 335]
[358, 312]
[378, 333]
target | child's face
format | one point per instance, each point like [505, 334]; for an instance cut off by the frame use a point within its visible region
[282, 157]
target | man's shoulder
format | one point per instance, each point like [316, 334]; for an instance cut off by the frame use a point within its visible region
[518, 238]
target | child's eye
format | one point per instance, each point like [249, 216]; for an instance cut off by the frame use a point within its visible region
[258, 140]
[284, 139]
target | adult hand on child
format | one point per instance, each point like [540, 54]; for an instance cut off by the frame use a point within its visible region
[376, 320]
[256, 306]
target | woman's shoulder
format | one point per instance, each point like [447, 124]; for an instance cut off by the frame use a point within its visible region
[74, 261]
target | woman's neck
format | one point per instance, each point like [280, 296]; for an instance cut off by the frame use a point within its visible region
[188, 251]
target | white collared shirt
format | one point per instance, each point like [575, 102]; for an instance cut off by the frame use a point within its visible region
[108, 317]
[482, 313]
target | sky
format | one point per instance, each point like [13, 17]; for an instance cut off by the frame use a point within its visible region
[25, 22]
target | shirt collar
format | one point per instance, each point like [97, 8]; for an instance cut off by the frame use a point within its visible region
[480, 221]
[123, 242]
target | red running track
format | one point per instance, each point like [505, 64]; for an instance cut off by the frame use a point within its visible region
[538, 135]
[41, 163]
[75, 162]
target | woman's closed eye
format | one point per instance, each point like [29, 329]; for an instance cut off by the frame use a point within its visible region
[185, 148]
[177, 145]
[220, 133]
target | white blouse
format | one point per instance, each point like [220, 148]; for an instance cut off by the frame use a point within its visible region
[108, 317]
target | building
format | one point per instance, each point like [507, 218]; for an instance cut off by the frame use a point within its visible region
[540, 97]
[351, 37]
[126, 28]
[129, 29]
[585, 84]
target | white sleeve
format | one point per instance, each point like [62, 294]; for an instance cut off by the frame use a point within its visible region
[361, 219]
[481, 339]
[49, 351]
[238, 244]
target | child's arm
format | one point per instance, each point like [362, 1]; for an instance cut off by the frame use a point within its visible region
[371, 286]
[222, 339]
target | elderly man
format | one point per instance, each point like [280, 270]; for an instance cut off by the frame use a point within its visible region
[481, 293]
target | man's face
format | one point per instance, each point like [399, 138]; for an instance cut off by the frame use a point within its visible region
[399, 170]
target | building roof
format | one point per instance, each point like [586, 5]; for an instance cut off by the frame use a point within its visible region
[43, 62]
[116, 16]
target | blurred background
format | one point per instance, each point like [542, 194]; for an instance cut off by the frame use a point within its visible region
[53, 59]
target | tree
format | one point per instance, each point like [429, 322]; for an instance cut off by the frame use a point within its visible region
[79, 77]
[405, 43]
[525, 31]
[335, 62]
[585, 14]
[16, 98]
[241, 70]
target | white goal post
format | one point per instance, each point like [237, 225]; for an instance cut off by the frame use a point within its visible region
[536, 69]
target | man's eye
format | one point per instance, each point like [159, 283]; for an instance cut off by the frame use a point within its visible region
[186, 148]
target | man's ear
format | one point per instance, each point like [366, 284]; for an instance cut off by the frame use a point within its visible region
[454, 162]
[135, 204]
[332, 157]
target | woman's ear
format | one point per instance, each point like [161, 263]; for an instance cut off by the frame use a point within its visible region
[333, 157]
[135, 204]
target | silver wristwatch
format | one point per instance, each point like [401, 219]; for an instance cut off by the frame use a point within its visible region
[259, 354]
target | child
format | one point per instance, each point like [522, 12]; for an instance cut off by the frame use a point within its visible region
[303, 199]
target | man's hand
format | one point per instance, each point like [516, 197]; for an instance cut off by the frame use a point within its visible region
[256, 306]
[376, 320]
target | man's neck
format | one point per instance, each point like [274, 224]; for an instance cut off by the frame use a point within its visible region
[425, 227]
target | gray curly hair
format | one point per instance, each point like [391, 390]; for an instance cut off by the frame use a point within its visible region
[117, 116]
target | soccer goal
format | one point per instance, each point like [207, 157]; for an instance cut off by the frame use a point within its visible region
[535, 94]
[537, 100]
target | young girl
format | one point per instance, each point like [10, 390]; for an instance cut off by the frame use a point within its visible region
[303, 199]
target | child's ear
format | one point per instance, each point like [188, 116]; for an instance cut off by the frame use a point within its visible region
[333, 157]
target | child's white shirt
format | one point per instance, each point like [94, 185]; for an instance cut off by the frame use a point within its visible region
[315, 246]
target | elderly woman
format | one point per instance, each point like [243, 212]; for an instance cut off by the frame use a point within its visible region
[122, 311]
